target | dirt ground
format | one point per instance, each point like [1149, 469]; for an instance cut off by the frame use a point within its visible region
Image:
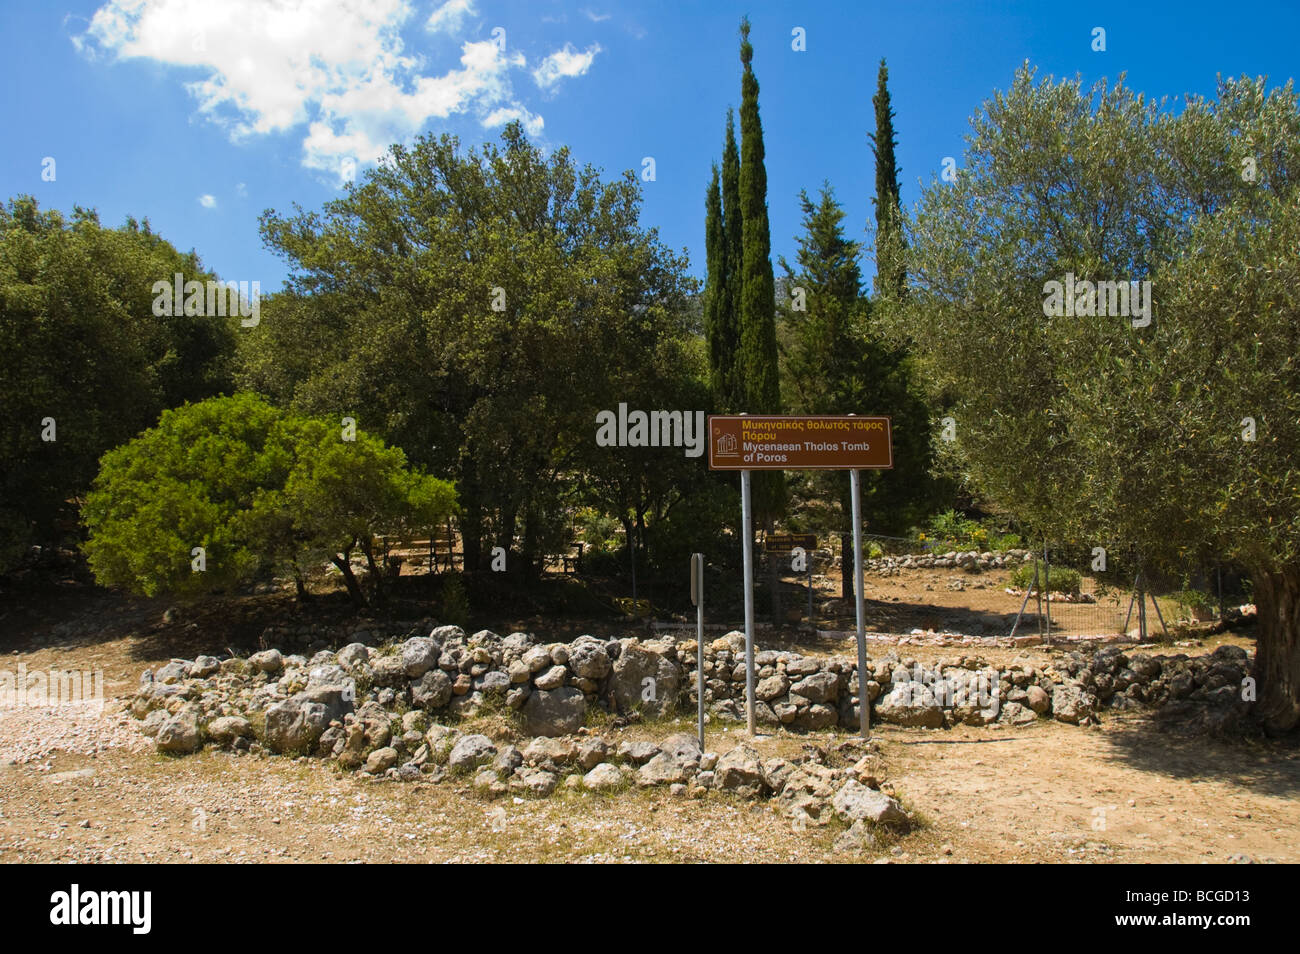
[80, 786]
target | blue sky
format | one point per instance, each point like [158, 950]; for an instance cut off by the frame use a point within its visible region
[199, 114]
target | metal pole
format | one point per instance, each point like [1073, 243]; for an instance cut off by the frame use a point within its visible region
[810, 610]
[747, 533]
[1047, 598]
[864, 696]
[1038, 596]
[1159, 615]
[697, 591]
[1024, 603]
[1142, 607]
[1131, 600]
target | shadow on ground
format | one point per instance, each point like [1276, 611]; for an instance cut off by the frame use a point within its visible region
[1142, 741]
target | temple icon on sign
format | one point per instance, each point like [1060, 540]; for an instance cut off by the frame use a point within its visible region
[727, 445]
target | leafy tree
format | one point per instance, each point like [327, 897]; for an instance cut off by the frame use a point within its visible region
[1101, 426]
[821, 342]
[257, 489]
[667, 502]
[342, 494]
[80, 345]
[476, 310]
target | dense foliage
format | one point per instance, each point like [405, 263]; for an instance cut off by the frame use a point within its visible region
[85, 364]
[1138, 426]
[258, 490]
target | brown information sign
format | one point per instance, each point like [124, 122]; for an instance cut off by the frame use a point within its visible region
[824, 442]
[786, 542]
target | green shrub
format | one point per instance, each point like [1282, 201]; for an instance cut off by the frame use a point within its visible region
[1000, 542]
[598, 531]
[1194, 600]
[1061, 579]
[455, 601]
[953, 531]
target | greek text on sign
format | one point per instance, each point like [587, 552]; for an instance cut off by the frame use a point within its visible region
[823, 442]
[786, 542]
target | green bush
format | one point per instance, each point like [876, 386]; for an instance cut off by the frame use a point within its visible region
[693, 524]
[1060, 579]
[1001, 542]
[455, 601]
[230, 487]
[953, 531]
[598, 531]
[1194, 600]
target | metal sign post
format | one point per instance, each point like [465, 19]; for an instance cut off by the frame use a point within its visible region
[810, 607]
[859, 577]
[807, 442]
[697, 597]
[747, 535]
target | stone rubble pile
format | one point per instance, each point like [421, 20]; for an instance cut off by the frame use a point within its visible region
[972, 561]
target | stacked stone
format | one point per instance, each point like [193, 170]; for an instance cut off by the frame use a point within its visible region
[350, 703]
[972, 561]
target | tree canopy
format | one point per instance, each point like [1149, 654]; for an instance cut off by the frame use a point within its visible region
[477, 309]
[258, 490]
[85, 364]
[1129, 426]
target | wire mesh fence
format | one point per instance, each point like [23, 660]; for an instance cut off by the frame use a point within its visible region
[1072, 589]
[1067, 590]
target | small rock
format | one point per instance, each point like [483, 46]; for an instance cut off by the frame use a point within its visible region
[469, 751]
[381, 760]
[603, 778]
[268, 661]
[856, 802]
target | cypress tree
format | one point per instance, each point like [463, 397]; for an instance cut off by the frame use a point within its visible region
[758, 363]
[891, 278]
[733, 394]
[717, 310]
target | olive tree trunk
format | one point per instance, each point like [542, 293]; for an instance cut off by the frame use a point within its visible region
[1277, 653]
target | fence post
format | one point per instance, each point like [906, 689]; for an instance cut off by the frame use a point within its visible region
[1047, 588]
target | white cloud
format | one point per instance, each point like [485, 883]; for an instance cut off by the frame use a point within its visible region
[334, 68]
[448, 17]
[532, 123]
[596, 17]
[564, 63]
[208, 201]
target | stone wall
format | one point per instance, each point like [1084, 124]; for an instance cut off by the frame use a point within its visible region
[347, 703]
[970, 560]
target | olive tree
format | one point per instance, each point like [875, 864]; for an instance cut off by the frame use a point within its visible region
[1163, 414]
